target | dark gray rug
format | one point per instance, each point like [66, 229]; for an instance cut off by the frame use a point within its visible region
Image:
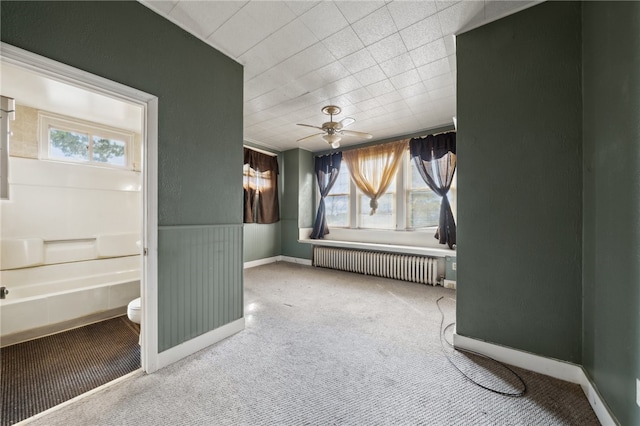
[39, 374]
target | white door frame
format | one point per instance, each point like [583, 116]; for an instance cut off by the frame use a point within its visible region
[149, 283]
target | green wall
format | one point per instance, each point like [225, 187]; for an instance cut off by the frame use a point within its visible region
[199, 122]
[611, 254]
[557, 88]
[298, 202]
[520, 181]
[262, 241]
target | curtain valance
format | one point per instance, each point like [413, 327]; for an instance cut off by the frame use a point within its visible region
[433, 145]
[260, 162]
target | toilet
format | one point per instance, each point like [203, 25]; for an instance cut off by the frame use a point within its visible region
[133, 311]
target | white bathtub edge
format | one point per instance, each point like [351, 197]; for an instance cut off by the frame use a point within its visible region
[23, 315]
[50, 329]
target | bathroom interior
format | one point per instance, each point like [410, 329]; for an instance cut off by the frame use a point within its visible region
[71, 223]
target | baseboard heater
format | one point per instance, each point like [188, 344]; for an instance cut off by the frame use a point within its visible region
[406, 267]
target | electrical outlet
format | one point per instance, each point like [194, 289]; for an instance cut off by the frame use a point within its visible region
[638, 392]
[454, 266]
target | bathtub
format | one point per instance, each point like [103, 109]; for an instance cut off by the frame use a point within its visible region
[42, 296]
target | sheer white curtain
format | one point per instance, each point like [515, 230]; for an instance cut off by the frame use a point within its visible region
[373, 168]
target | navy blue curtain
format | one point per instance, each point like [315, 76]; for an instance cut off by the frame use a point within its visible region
[435, 158]
[327, 169]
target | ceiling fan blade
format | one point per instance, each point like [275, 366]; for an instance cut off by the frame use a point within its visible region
[310, 136]
[357, 134]
[347, 121]
[309, 125]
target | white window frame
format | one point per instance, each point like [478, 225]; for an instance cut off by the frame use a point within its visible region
[47, 120]
[401, 198]
[7, 114]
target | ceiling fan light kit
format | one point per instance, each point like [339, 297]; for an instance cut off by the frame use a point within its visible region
[332, 131]
[332, 139]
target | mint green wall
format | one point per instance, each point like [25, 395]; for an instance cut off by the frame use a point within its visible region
[519, 140]
[199, 131]
[298, 203]
[611, 256]
[262, 241]
[198, 276]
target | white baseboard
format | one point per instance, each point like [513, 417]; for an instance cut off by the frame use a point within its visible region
[295, 260]
[259, 262]
[562, 370]
[274, 259]
[449, 284]
[192, 346]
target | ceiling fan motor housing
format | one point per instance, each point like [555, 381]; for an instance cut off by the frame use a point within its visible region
[330, 127]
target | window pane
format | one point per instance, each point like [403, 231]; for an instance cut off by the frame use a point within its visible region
[337, 210]
[341, 186]
[423, 205]
[109, 151]
[385, 216]
[423, 209]
[68, 145]
[416, 179]
[247, 177]
[264, 180]
[337, 201]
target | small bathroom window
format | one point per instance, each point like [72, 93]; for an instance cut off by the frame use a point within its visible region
[67, 139]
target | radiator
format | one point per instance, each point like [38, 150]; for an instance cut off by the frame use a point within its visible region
[419, 269]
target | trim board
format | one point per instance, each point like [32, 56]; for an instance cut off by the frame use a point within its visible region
[274, 259]
[562, 370]
[196, 344]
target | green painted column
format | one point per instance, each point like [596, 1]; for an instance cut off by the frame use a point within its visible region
[298, 204]
[611, 258]
[519, 249]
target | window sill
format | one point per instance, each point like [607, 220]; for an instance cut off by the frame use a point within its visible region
[394, 241]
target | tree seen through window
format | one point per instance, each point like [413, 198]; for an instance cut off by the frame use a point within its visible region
[79, 146]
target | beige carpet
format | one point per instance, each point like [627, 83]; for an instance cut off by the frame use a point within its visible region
[323, 347]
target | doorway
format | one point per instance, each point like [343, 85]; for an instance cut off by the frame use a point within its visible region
[108, 244]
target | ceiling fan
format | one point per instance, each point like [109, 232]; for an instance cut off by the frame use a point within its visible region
[333, 131]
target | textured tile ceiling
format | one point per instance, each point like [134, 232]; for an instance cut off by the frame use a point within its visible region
[390, 65]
